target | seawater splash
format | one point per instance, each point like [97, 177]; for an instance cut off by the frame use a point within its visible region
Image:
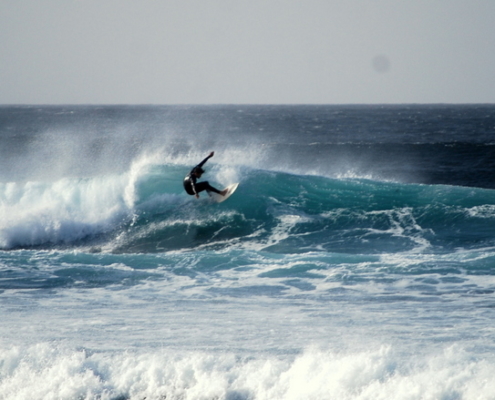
[69, 209]
[36, 213]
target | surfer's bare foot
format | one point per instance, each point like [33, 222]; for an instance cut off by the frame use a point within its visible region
[224, 192]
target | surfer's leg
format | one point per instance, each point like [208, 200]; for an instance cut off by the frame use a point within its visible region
[206, 186]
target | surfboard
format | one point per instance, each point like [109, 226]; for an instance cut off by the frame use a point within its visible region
[218, 198]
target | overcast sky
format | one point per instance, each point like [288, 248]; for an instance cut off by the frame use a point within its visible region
[253, 51]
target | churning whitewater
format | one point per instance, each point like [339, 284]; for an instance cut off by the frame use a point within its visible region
[356, 259]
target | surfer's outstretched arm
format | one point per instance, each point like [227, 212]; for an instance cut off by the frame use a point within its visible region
[206, 159]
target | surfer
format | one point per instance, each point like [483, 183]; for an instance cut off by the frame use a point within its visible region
[193, 187]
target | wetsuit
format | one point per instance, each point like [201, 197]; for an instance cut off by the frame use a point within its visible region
[192, 187]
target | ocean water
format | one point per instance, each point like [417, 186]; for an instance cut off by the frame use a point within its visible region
[356, 260]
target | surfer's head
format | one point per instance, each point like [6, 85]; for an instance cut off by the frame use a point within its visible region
[198, 171]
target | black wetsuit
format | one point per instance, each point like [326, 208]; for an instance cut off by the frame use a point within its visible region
[192, 187]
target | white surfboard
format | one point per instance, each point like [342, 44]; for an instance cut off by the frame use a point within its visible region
[218, 198]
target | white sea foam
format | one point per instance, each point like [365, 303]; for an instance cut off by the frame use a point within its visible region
[483, 211]
[52, 372]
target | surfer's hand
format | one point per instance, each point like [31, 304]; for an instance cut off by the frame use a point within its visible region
[197, 196]
[212, 154]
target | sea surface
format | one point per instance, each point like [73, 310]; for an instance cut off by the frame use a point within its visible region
[356, 260]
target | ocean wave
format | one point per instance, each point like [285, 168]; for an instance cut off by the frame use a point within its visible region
[146, 210]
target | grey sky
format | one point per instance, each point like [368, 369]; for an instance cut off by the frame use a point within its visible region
[256, 51]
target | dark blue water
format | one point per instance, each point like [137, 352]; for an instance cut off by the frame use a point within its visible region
[358, 252]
